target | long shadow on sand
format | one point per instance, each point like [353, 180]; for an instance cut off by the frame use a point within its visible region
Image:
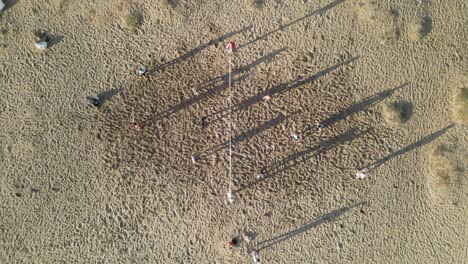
[107, 95]
[198, 49]
[302, 156]
[417, 144]
[279, 89]
[319, 11]
[217, 89]
[244, 68]
[332, 216]
[359, 106]
[55, 40]
[249, 134]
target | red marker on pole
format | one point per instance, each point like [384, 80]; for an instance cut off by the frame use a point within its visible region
[230, 46]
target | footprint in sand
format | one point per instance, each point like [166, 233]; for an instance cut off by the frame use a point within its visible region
[420, 28]
[447, 181]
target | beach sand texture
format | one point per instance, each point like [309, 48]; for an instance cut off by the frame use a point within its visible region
[388, 80]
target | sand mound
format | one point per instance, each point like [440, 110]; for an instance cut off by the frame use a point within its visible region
[366, 11]
[460, 106]
[130, 14]
[398, 112]
[447, 181]
[133, 19]
[386, 24]
[420, 28]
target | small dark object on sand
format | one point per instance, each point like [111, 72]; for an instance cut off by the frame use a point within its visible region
[93, 101]
[233, 243]
[263, 174]
[319, 126]
[203, 122]
[138, 125]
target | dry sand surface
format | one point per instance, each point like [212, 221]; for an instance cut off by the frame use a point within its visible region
[388, 79]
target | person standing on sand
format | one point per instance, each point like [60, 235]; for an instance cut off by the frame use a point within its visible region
[248, 237]
[142, 71]
[361, 173]
[256, 257]
[196, 90]
[266, 98]
[194, 159]
[137, 125]
[231, 196]
[296, 137]
[233, 243]
[92, 101]
[319, 126]
[43, 43]
[262, 174]
[203, 122]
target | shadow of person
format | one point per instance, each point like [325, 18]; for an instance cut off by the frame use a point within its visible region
[249, 134]
[359, 106]
[186, 103]
[316, 12]
[217, 88]
[331, 216]
[278, 89]
[107, 95]
[198, 49]
[55, 40]
[301, 156]
[417, 144]
[264, 59]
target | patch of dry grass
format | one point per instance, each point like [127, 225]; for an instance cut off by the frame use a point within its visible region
[3, 32]
[460, 108]
[446, 181]
[130, 14]
[133, 19]
[398, 112]
[170, 4]
[64, 6]
[256, 4]
[123, 5]
[420, 29]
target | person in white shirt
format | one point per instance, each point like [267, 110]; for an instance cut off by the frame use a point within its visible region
[256, 257]
[361, 173]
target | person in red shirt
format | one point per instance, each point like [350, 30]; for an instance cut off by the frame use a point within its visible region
[230, 46]
[138, 125]
[233, 243]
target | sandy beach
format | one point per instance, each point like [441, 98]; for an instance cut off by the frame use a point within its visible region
[386, 80]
